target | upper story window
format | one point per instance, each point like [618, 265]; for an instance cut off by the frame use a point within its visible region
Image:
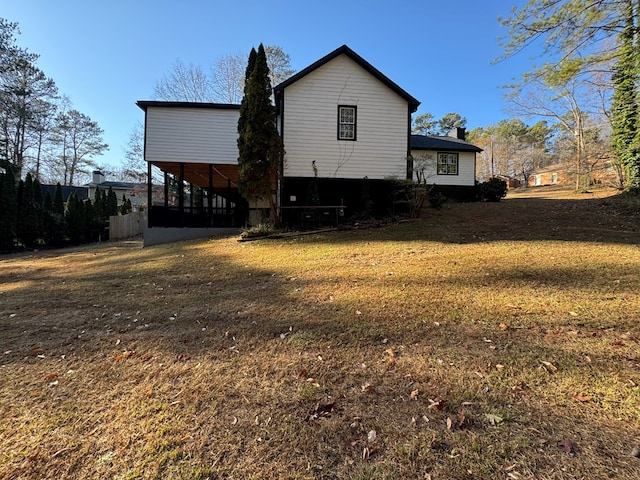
[347, 116]
[447, 164]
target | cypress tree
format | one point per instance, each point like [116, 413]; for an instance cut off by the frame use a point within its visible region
[58, 200]
[28, 224]
[39, 205]
[74, 218]
[56, 230]
[100, 205]
[259, 144]
[8, 206]
[112, 203]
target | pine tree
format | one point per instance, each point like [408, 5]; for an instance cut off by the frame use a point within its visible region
[259, 144]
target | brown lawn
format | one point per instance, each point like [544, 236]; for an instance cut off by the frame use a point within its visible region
[483, 341]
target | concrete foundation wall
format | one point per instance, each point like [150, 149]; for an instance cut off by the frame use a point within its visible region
[160, 235]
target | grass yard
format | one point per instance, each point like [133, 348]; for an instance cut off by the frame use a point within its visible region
[483, 341]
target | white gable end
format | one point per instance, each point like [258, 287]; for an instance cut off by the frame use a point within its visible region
[309, 124]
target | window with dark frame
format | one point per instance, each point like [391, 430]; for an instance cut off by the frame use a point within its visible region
[346, 122]
[447, 164]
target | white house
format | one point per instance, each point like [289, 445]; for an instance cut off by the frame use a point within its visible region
[345, 128]
[448, 163]
[136, 193]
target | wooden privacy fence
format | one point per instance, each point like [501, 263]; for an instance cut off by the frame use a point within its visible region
[125, 226]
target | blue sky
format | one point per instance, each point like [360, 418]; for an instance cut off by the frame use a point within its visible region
[107, 55]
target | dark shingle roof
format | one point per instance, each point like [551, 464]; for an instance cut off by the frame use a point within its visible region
[81, 192]
[428, 142]
[413, 103]
[143, 104]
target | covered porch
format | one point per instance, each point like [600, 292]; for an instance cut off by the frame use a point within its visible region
[195, 195]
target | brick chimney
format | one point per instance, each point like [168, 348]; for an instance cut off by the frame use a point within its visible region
[459, 132]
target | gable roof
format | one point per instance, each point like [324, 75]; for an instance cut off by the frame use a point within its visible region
[345, 50]
[430, 142]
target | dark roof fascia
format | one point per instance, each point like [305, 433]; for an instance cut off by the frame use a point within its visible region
[344, 49]
[144, 104]
[445, 144]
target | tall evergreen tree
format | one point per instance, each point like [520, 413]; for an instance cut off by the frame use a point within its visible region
[259, 144]
[29, 213]
[111, 203]
[58, 200]
[8, 206]
[624, 105]
[56, 226]
[74, 217]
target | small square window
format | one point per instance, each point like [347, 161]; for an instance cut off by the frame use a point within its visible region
[347, 122]
[447, 164]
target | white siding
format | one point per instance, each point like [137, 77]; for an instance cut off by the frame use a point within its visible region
[191, 135]
[428, 159]
[310, 124]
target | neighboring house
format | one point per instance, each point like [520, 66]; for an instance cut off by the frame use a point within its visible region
[555, 174]
[345, 128]
[448, 163]
[135, 192]
[600, 171]
[81, 192]
[511, 182]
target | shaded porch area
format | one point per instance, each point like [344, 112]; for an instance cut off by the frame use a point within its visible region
[195, 195]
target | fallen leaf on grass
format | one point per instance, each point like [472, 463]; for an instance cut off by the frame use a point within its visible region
[573, 314]
[567, 446]
[51, 376]
[414, 394]
[449, 423]
[549, 367]
[436, 404]
[322, 410]
[580, 397]
[461, 418]
[368, 388]
[125, 354]
[504, 326]
[371, 436]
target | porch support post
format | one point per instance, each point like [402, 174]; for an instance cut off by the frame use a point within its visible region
[149, 194]
[210, 197]
[228, 215]
[181, 195]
